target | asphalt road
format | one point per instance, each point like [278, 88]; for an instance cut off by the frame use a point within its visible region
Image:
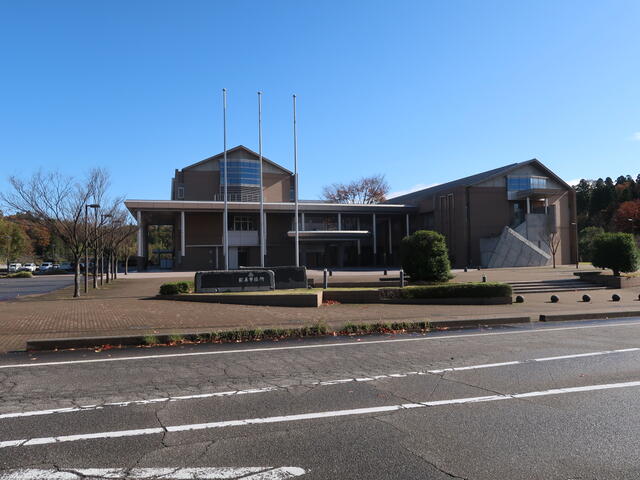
[528, 402]
[16, 287]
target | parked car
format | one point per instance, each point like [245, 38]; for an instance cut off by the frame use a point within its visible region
[14, 267]
[46, 266]
[66, 266]
[28, 267]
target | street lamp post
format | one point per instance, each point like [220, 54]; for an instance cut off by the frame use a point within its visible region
[86, 243]
[575, 224]
[102, 217]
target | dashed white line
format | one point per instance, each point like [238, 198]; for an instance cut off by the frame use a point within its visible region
[542, 359]
[325, 345]
[85, 408]
[307, 416]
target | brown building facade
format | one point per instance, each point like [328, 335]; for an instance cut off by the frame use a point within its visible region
[513, 215]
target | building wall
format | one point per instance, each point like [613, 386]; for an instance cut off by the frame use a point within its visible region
[201, 182]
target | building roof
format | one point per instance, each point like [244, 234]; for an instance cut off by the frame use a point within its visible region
[414, 197]
[235, 149]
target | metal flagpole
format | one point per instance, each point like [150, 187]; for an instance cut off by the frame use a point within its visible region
[295, 179]
[225, 218]
[262, 239]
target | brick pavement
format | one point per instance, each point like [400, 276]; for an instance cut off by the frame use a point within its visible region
[128, 306]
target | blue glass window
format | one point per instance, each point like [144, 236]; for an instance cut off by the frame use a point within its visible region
[525, 183]
[241, 172]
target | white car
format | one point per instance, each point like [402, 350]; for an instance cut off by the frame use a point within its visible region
[14, 267]
[29, 267]
[46, 266]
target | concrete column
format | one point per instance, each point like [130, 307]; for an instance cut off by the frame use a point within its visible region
[302, 221]
[140, 236]
[375, 236]
[546, 206]
[183, 245]
[528, 205]
[407, 223]
[390, 241]
[339, 221]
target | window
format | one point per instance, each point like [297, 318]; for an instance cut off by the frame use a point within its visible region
[525, 183]
[242, 223]
[241, 172]
[180, 193]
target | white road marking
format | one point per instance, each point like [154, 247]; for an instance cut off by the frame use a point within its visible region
[306, 416]
[86, 408]
[251, 473]
[325, 345]
[542, 359]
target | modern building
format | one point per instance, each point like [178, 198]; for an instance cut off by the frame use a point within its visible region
[504, 217]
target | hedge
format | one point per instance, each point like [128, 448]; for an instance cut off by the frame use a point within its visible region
[450, 290]
[20, 275]
[175, 288]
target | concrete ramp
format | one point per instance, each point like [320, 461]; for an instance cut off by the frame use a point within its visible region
[511, 249]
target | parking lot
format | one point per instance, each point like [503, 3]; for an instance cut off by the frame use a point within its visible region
[16, 287]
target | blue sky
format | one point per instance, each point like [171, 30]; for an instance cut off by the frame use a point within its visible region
[423, 91]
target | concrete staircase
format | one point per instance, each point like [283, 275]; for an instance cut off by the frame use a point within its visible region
[552, 286]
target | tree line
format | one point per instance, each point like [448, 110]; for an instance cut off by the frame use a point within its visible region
[606, 206]
[76, 217]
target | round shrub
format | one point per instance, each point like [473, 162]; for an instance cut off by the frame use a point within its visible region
[175, 288]
[519, 299]
[554, 299]
[425, 257]
[616, 251]
[586, 298]
[615, 297]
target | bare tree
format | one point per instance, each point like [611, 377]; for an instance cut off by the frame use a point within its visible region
[58, 203]
[551, 239]
[366, 190]
[116, 235]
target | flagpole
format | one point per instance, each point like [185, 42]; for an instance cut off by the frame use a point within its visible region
[262, 219]
[295, 177]
[225, 218]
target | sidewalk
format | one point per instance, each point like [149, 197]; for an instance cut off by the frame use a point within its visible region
[127, 307]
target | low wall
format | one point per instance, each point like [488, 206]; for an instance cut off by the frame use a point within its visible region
[311, 299]
[609, 281]
[373, 296]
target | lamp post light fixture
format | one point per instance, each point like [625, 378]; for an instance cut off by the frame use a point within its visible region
[86, 243]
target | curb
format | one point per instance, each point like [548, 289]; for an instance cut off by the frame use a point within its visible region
[163, 338]
[561, 317]
[477, 322]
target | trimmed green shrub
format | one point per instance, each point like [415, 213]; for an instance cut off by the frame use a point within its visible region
[424, 256]
[585, 244]
[616, 251]
[175, 288]
[450, 290]
[20, 275]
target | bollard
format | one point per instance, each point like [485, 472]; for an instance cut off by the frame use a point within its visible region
[331, 273]
[554, 299]
[325, 279]
[586, 298]
[465, 269]
[385, 272]
[615, 297]
[519, 299]
[484, 279]
[401, 278]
